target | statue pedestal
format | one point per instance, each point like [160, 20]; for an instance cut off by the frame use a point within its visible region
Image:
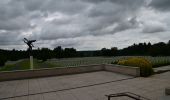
[31, 63]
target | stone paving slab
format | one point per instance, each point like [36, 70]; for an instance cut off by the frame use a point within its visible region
[40, 85]
[152, 87]
[163, 68]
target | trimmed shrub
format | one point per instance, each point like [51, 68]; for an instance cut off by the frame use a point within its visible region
[2, 61]
[145, 65]
[114, 62]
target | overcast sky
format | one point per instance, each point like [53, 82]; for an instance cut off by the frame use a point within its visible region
[83, 24]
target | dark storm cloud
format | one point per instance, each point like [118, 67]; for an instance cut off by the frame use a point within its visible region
[15, 24]
[129, 24]
[14, 16]
[154, 28]
[94, 19]
[67, 22]
[64, 6]
[163, 5]
[10, 38]
[10, 10]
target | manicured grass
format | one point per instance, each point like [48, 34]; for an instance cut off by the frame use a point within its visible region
[67, 62]
[40, 64]
[159, 61]
[25, 65]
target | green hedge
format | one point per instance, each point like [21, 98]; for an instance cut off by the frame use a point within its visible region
[145, 65]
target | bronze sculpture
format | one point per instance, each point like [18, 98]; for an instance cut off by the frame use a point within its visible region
[29, 43]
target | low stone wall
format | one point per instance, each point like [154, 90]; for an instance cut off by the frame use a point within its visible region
[48, 72]
[134, 71]
[69, 70]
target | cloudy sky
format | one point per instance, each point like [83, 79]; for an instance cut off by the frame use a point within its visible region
[83, 24]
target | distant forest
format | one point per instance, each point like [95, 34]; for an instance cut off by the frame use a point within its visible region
[141, 49]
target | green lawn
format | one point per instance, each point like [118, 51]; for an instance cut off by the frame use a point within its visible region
[156, 61]
[40, 64]
[25, 65]
[81, 61]
[67, 62]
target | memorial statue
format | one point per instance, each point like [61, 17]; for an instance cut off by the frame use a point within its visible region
[29, 43]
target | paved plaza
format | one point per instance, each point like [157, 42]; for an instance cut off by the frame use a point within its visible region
[164, 68]
[85, 86]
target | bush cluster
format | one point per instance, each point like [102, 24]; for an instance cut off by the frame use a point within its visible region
[145, 65]
[2, 61]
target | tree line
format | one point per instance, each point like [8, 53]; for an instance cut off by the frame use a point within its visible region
[141, 49]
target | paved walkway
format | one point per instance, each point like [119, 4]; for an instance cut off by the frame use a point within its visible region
[163, 68]
[86, 86]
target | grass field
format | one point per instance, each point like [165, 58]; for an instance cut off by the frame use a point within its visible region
[156, 61]
[25, 65]
[67, 62]
[81, 61]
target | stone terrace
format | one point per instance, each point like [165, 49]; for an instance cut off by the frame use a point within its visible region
[85, 86]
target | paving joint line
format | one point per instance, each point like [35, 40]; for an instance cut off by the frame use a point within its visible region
[67, 88]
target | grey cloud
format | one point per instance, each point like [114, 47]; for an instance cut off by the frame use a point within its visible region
[123, 5]
[15, 24]
[51, 6]
[163, 5]
[93, 21]
[154, 27]
[95, 1]
[116, 12]
[17, 14]
[70, 42]
[116, 7]
[64, 6]
[68, 22]
[32, 5]
[127, 2]
[14, 16]
[51, 31]
[129, 24]
[10, 38]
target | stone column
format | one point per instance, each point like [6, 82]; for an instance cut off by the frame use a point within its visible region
[31, 63]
